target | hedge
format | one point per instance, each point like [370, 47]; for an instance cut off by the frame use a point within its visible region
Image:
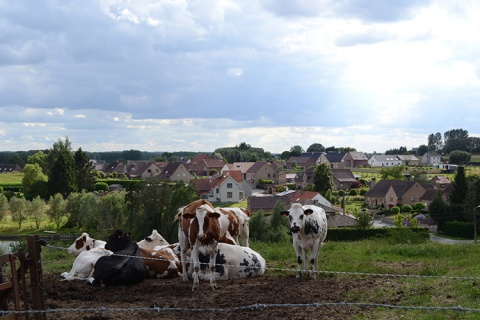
[356, 234]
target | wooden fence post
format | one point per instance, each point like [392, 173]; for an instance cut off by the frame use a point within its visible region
[36, 282]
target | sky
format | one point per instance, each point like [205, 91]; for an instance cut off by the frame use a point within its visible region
[177, 75]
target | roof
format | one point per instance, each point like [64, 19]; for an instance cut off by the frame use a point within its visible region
[256, 166]
[381, 187]
[357, 155]
[385, 157]
[407, 157]
[10, 168]
[335, 156]
[343, 175]
[266, 203]
[207, 184]
[169, 169]
[314, 155]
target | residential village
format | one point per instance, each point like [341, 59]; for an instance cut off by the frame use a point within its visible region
[256, 182]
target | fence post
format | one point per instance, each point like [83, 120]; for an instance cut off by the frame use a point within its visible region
[36, 283]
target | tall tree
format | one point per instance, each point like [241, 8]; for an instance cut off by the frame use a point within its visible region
[84, 174]
[57, 209]
[459, 187]
[33, 177]
[455, 134]
[61, 178]
[39, 158]
[3, 206]
[296, 151]
[36, 209]
[435, 142]
[18, 206]
[322, 178]
[316, 147]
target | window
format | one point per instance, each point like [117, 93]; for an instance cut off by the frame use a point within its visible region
[391, 198]
[217, 190]
[229, 185]
[229, 195]
[413, 198]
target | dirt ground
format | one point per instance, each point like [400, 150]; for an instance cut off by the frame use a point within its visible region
[173, 293]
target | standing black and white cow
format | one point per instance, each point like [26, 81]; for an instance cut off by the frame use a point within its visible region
[308, 225]
[124, 267]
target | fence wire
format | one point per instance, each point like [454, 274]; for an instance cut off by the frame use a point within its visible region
[260, 307]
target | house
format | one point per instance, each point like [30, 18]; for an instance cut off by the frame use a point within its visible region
[204, 165]
[333, 159]
[409, 159]
[302, 162]
[240, 166]
[431, 158]
[225, 187]
[389, 193]
[342, 179]
[316, 156]
[382, 160]
[142, 169]
[355, 159]
[98, 165]
[260, 170]
[6, 168]
[440, 182]
[115, 167]
[175, 171]
[304, 178]
[308, 197]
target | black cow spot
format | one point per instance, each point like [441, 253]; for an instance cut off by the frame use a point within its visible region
[311, 227]
[220, 262]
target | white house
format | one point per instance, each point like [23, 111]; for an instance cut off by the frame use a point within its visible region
[382, 160]
[431, 158]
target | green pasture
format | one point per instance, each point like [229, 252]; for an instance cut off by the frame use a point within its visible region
[426, 274]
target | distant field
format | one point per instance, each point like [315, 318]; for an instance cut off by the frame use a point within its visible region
[11, 178]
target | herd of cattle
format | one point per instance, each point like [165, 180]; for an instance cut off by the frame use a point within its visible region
[208, 248]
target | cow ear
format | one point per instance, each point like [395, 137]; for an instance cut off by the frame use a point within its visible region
[214, 214]
[127, 235]
[308, 211]
[188, 216]
[284, 213]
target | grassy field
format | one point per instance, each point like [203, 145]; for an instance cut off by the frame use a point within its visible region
[421, 275]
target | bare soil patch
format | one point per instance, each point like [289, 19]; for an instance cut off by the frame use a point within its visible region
[173, 293]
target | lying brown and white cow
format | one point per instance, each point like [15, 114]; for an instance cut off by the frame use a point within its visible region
[85, 243]
[160, 263]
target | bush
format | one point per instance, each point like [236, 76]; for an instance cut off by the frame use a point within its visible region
[407, 208]
[395, 235]
[352, 192]
[395, 210]
[459, 229]
[418, 206]
[101, 186]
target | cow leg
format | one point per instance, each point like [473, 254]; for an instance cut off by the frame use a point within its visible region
[300, 258]
[213, 257]
[314, 259]
[196, 268]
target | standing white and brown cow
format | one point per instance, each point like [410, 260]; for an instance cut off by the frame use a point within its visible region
[243, 218]
[308, 225]
[228, 232]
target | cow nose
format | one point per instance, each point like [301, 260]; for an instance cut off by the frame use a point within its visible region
[201, 236]
[295, 229]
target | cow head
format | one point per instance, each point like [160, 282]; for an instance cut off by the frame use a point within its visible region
[82, 243]
[153, 240]
[207, 219]
[118, 241]
[296, 216]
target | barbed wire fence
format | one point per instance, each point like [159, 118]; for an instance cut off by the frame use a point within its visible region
[260, 307]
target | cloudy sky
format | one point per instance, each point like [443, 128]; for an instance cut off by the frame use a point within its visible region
[196, 75]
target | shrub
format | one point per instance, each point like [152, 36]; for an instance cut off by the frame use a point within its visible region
[101, 186]
[395, 210]
[418, 206]
[364, 219]
[407, 208]
[352, 192]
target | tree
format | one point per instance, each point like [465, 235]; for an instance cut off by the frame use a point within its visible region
[364, 219]
[455, 134]
[39, 158]
[61, 168]
[438, 208]
[422, 149]
[419, 175]
[296, 151]
[459, 187]
[57, 209]
[113, 210]
[316, 147]
[36, 209]
[435, 142]
[3, 206]
[32, 175]
[393, 173]
[84, 175]
[322, 178]
[18, 210]
[456, 144]
[459, 157]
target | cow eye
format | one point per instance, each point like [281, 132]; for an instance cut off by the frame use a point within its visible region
[301, 217]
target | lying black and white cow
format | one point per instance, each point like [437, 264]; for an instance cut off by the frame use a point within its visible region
[124, 267]
[308, 225]
[232, 262]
